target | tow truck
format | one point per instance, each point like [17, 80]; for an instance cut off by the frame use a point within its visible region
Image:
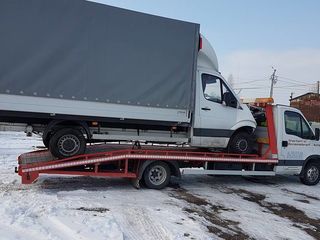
[284, 144]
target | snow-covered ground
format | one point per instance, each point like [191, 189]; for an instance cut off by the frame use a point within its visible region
[195, 207]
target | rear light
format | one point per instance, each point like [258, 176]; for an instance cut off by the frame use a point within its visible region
[200, 43]
[94, 123]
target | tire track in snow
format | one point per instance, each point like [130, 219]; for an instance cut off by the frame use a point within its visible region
[33, 213]
[54, 225]
[20, 232]
[136, 224]
[301, 194]
[298, 218]
[201, 209]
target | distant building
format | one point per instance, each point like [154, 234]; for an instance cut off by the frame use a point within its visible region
[309, 105]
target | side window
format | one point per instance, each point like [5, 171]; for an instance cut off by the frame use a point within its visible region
[306, 131]
[296, 125]
[292, 123]
[225, 90]
[211, 86]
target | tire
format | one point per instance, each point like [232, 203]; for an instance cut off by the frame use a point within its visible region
[311, 174]
[241, 143]
[67, 142]
[157, 175]
[46, 142]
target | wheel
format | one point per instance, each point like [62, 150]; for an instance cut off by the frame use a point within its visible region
[67, 142]
[311, 174]
[46, 142]
[157, 175]
[241, 143]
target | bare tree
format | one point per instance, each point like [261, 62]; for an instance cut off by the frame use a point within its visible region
[314, 88]
[231, 80]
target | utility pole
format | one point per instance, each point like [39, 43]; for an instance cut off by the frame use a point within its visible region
[318, 87]
[291, 96]
[273, 79]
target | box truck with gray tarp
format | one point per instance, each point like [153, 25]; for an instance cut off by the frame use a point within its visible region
[80, 72]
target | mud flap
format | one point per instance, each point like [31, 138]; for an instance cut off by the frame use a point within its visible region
[136, 183]
[29, 177]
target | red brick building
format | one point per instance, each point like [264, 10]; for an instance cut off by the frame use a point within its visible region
[309, 105]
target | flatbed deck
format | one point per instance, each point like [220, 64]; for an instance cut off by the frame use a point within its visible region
[114, 160]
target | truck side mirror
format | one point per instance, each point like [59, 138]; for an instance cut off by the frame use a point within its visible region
[230, 100]
[317, 133]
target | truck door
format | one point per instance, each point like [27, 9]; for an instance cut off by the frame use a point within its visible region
[297, 141]
[216, 119]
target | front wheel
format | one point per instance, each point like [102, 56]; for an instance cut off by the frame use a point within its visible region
[241, 143]
[67, 142]
[311, 174]
[157, 175]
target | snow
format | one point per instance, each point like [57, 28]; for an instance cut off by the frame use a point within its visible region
[195, 207]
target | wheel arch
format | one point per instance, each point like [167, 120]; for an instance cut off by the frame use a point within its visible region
[312, 158]
[54, 125]
[244, 125]
[247, 129]
[173, 165]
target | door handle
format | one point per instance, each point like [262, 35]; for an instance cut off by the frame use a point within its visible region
[206, 109]
[285, 143]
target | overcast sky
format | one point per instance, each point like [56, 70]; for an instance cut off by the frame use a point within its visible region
[250, 37]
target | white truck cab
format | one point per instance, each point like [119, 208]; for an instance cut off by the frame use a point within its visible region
[297, 143]
[220, 120]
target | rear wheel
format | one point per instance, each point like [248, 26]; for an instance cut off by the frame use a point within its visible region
[46, 142]
[157, 175]
[241, 143]
[311, 174]
[67, 142]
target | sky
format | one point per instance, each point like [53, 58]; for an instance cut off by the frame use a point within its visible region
[251, 38]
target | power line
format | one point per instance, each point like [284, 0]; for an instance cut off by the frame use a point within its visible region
[292, 80]
[280, 80]
[252, 85]
[296, 85]
[289, 80]
[260, 80]
[302, 86]
[288, 86]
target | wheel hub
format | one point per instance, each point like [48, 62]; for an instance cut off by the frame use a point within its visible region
[68, 145]
[313, 174]
[242, 145]
[157, 175]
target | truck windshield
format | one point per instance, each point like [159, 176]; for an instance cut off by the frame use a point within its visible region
[296, 125]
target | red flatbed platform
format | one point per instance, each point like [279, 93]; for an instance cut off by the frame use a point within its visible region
[125, 160]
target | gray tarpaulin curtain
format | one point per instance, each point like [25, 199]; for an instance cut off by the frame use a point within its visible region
[74, 49]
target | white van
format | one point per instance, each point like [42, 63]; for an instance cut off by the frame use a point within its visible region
[91, 72]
